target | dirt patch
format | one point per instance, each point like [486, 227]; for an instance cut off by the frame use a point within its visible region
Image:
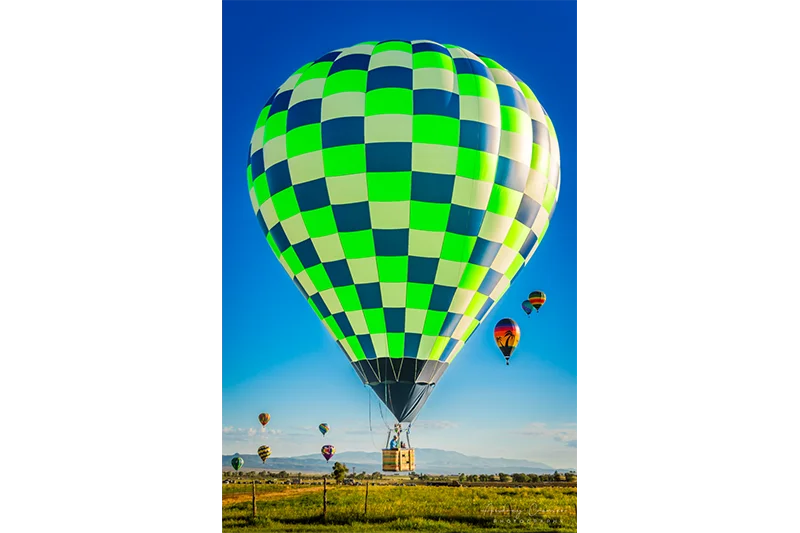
[229, 499]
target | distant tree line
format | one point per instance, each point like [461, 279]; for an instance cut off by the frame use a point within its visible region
[340, 472]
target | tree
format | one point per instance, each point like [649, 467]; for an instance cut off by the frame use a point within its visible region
[462, 477]
[378, 475]
[570, 476]
[339, 471]
[283, 474]
[504, 478]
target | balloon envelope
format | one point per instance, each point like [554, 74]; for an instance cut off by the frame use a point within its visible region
[537, 299]
[506, 335]
[264, 452]
[263, 418]
[324, 428]
[237, 463]
[328, 451]
[402, 186]
[527, 307]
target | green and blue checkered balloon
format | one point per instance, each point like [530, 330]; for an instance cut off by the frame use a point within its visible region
[402, 185]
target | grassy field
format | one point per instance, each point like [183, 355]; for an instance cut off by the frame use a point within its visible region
[400, 508]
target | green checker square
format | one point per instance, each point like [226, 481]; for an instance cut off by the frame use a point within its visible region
[334, 327]
[425, 243]
[433, 322]
[439, 346]
[262, 117]
[316, 70]
[429, 216]
[290, 256]
[436, 129]
[285, 203]
[516, 235]
[396, 343]
[393, 269]
[389, 186]
[475, 305]
[357, 244]
[314, 308]
[375, 321]
[418, 295]
[319, 222]
[389, 101]
[276, 126]
[474, 85]
[504, 201]
[261, 187]
[348, 297]
[303, 140]
[302, 69]
[514, 267]
[473, 276]
[271, 242]
[356, 347]
[540, 159]
[402, 46]
[491, 63]
[457, 247]
[476, 164]
[549, 198]
[319, 277]
[346, 81]
[470, 330]
[526, 91]
[544, 230]
[513, 119]
[433, 60]
[344, 160]
[249, 176]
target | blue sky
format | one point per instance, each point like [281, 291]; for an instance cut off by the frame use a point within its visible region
[481, 406]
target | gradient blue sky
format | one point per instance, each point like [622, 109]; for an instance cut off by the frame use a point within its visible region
[277, 356]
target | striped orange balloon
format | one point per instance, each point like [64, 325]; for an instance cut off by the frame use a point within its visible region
[537, 298]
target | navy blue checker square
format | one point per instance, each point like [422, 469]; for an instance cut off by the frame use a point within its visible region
[465, 65]
[388, 157]
[429, 47]
[330, 56]
[312, 194]
[395, 319]
[436, 102]
[527, 211]
[342, 131]
[307, 253]
[527, 246]
[304, 113]
[464, 220]
[390, 242]
[321, 306]
[261, 223]
[484, 309]
[339, 273]
[484, 252]
[369, 294]
[450, 323]
[350, 62]
[272, 97]
[430, 187]
[422, 269]
[278, 177]
[448, 349]
[489, 282]
[279, 236]
[257, 164]
[478, 136]
[511, 174]
[511, 97]
[344, 324]
[411, 343]
[441, 298]
[352, 217]
[280, 103]
[366, 344]
[541, 135]
[390, 77]
[300, 287]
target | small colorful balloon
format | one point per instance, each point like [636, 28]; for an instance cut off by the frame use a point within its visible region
[328, 451]
[264, 452]
[324, 428]
[263, 418]
[506, 335]
[237, 463]
[527, 307]
[537, 299]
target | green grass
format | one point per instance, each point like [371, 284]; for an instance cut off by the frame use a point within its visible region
[393, 508]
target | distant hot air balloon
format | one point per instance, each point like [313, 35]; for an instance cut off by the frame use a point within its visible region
[263, 418]
[506, 335]
[328, 451]
[264, 452]
[324, 428]
[527, 307]
[237, 463]
[403, 185]
[537, 298]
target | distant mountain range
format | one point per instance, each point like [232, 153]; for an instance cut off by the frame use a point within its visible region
[428, 461]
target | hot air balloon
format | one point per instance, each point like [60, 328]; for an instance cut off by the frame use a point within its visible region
[506, 335]
[324, 428]
[537, 298]
[328, 451]
[263, 418]
[402, 185]
[527, 307]
[237, 463]
[264, 452]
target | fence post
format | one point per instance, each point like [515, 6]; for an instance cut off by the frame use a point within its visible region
[366, 498]
[324, 497]
[254, 498]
